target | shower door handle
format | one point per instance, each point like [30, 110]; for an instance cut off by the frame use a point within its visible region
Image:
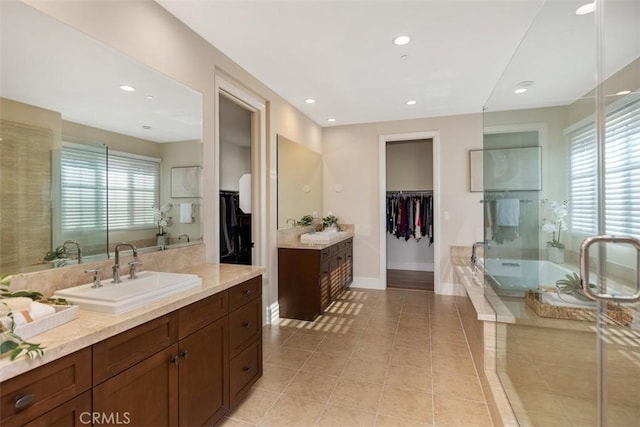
[584, 267]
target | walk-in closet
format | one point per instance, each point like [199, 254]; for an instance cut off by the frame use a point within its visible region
[409, 214]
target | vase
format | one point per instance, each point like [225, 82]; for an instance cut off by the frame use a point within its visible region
[161, 240]
[556, 255]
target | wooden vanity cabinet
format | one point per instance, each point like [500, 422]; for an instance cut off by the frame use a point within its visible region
[309, 280]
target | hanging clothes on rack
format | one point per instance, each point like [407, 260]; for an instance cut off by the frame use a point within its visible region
[410, 215]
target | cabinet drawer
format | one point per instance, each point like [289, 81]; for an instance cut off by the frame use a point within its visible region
[245, 370]
[201, 313]
[247, 291]
[33, 393]
[122, 351]
[325, 253]
[244, 325]
[76, 413]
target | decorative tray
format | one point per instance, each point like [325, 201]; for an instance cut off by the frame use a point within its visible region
[616, 314]
[63, 314]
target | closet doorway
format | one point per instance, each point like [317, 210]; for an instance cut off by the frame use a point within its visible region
[409, 208]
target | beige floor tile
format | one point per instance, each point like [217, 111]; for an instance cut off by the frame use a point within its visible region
[414, 324]
[384, 339]
[312, 385]
[459, 386]
[461, 364]
[387, 421]
[456, 412]
[408, 404]
[254, 406]
[337, 346]
[416, 340]
[405, 356]
[381, 330]
[443, 346]
[365, 370]
[293, 412]
[275, 378]
[325, 363]
[288, 357]
[230, 422]
[372, 352]
[304, 341]
[335, 416]
[356, 395]
[410, 378]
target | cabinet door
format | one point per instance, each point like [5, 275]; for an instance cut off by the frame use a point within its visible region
[348, 265]
[204, 377]
[145, 394]
[336, 273]
[325, 286]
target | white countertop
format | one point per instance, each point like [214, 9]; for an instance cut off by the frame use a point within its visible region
[91, 327]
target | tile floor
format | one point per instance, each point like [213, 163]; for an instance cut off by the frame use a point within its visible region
[376, 358]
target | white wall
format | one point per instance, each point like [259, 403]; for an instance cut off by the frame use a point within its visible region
[351, 159]
[235, 161]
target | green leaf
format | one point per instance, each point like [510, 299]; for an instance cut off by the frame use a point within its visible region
[8, 346]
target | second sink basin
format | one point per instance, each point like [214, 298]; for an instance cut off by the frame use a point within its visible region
[322, 237]
[116, 298]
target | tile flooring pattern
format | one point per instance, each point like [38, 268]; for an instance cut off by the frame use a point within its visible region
[376, 358]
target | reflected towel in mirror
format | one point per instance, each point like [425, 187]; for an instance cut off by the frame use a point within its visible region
[186, 213]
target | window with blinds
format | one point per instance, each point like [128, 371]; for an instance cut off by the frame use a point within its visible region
[622, 174]
[125, 187]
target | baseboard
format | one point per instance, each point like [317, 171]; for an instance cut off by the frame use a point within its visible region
[369, 283]
[273, 314]
[448, 288]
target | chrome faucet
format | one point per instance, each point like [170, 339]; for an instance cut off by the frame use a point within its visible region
[74, 242]
[474, 251]
[185, 236]
[132, 265]
[294, 222]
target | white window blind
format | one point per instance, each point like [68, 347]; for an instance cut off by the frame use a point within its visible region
[622, 174]
[124, 188]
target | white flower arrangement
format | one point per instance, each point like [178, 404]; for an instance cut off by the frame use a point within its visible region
[162, 218]
[556, 224]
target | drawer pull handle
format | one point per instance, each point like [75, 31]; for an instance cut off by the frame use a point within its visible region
[248, 292]
[175, 360]
[246, 368]
[23, 401]
[246, 325]
[185, 355]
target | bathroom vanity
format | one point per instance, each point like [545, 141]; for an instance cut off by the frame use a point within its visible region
[187, 361]
[312, 276]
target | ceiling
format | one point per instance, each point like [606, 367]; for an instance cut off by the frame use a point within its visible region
[341, 54]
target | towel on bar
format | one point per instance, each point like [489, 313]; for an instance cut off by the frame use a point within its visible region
[186, 213]
[508, 212]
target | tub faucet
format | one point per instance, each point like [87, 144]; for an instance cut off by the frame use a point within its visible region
[186, 236]
[474, 252]
[132, 265]
[74, 242]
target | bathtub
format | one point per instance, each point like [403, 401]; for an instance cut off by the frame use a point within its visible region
[513, 277]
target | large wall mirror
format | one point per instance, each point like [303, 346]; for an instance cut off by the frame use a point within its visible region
[299, 182]
[89, 139]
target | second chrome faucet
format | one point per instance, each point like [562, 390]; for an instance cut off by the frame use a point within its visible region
[132, 265]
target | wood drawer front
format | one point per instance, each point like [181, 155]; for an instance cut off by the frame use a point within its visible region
[201, 313]
[122, 351]
[244, 326]
[244, 292]
[75, 413]
[325, 253]
[245, 370]
[45, 388]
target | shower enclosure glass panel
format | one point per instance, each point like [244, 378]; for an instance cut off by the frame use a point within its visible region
[563, 358]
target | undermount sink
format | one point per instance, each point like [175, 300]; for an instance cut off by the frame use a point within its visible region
[117, 298]
[322, 236]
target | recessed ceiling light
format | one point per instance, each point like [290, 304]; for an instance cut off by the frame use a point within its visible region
[586, 8]
[520, 90]
[149, 96]
[146, 127]
[127, 88]
[624, 92]
[331, 119]
[310, 101]
[401, 40]
[522, 86]
[411, 102]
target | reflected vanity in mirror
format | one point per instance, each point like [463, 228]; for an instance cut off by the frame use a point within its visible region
[299, 182]
[88, 141]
